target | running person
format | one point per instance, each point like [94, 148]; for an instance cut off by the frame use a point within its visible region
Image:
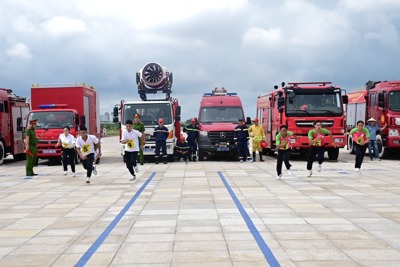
[361, 137]
[68, 150]
[284, 150]
[86, 146]
[130, 138]
[317, 148]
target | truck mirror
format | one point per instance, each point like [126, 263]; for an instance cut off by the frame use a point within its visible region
[115, 111]
[83, 120]
[281, 101]
[280, 109]
[115, 119]
[381, 100]
[178, 110]
[177, 118]
[248, 120]
[76, 119]
[345, 99]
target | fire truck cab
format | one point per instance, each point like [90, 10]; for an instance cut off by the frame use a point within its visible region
[153, 78]
[298, 106]
[218, 116]
[13, 111]
[379, 100]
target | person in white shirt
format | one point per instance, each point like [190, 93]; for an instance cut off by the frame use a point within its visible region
[130, 138]
[68, 150]
[86, 146]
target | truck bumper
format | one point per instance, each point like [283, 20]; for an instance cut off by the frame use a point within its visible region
[217, 151]
[393, 142]
[45, 152]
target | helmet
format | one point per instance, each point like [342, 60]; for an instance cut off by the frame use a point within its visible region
[255, 120]
[263, 144]
[183, 139]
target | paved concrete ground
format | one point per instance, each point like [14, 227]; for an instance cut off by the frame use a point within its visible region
[184, 215]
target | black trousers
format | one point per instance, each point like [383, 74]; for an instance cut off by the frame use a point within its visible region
[243, 149]
[130, 160]
[68, 155]
[315, 151]
[192, 149]
[88, 164]
[360, 153]
[283, 156]
[161, 145]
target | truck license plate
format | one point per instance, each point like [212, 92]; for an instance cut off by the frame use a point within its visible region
[49, 151]
[148, 149]
[222, 148]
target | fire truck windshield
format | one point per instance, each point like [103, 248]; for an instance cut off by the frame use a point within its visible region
[220, 114]
[149, 112]
[315, 104]
[394, 100]
[52, 119]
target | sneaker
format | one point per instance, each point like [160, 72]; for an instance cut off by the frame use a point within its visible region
[279, 177]
[88, 180]
[319, 167]
[310, 173]
[65, 172]
[372, 159]
[250, 160]
[73, 174]
[241, 161]
[357, 169]
[289, 172]
[379, 159]
[94, 170]
[136, 169]
[133, 178]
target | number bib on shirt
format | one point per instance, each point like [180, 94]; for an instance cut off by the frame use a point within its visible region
[85, 148]
[130, 144]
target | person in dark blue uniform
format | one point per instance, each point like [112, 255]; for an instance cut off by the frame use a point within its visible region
[192, 132]
[241, 137]
[182, 149]
[161, 136]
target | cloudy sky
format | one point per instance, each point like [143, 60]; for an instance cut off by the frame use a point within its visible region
[244, 46]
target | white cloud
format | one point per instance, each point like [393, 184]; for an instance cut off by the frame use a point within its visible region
[262, 38]
[19, 50]
[60, 26]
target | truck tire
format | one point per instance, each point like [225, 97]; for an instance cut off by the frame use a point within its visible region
[2, 152]
[333, 153]
[383, 151]
[350, 146]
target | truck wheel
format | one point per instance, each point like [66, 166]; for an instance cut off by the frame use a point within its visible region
[2, 153]
[383, 151]
[350, 146]
[333, 153]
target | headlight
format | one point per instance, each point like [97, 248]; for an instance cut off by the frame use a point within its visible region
[203, 133]
[338, 140]
[393, 132]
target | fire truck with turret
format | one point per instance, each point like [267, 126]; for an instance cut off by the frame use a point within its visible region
[57, 106]
[218, 116]
[379, 100]
[13, 110]
[298, 105]
[155, 79]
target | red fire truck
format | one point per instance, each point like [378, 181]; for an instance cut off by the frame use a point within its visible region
[57, 106]
[218, 116]
[379, 100]
[13, 110]
[298, 105]
[153, 78]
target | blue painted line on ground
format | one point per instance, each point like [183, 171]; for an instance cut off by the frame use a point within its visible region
[269, 256]
[89, 253]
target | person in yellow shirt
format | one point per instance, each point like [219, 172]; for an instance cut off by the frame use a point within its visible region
[257, 134]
